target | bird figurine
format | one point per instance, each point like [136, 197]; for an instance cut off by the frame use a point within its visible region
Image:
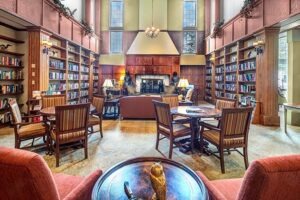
[158, 182]
[4, 47]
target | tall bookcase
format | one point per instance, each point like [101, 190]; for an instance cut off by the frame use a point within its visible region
[233, 72]
[11, 75]
[95, 64]
[71, 70]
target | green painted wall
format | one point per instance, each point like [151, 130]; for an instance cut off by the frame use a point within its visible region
[131, 15]
[294, 74]
[175, 14]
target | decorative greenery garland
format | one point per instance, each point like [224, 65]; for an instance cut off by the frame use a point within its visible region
[66, 11]
[217, 29]
[88, 30]
[247, 8]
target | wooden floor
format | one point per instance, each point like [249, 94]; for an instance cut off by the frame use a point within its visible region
[131, 138]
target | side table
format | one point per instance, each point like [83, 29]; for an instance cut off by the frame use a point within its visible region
[111, 109]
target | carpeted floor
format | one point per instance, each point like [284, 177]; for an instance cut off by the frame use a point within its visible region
[132, 138]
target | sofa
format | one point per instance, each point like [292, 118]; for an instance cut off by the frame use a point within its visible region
[265, 179]
[25, 175]
[138, 107]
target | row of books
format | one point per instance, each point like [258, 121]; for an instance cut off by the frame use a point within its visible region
[219, 70]
[84, 77]
[5, 117]
[247, 88]
[207, 91]
[72, 86]
[231, 68]
[96, 78]
[247, 77]
[84, 93]
[4, 102]
[208, 85]
[12, 74]
[208, 71]
[208, 78]
[219, 86]
[84, 69]
[57, 76]
[247, 65]
[73, 76]
[247, 101]
[230, 87]
[84, 85]
[219, 78]
[219, 94]
[57, 87]
[230, 96]
[57, 64]
[95, 84]
[73, 67]
[73, 95]
[231, 77]
[10, 89]
[9, 60]
[84, 100]
[95, 70]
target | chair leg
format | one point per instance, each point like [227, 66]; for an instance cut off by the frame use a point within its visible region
[228, 150]
[171, 148]
[100, 126]
[192, 141]
[221, 150]
[246, 157]
[157, 141]
[85, 149]
[57, 153]
[32, 142]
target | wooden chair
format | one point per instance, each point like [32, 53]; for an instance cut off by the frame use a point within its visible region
[96, 118]
[189, 95]
[170, 129]
[53, 100]
[71, 126]
[232, 134]
[26, 130]
[226, 103]
[171, 99]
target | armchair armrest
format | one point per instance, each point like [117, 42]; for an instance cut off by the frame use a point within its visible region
[84, 190]
[209, 126]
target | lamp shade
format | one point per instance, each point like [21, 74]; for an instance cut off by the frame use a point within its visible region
[108, 83]
[183, 83]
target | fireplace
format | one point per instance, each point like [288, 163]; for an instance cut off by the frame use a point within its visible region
[151, 83]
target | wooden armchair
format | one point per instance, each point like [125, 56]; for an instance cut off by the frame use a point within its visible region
[71, 126]
[53, 100]
[26, 130]
[169, 128]
[96, 117]
[232, 134]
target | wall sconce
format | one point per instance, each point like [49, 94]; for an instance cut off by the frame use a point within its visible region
[47, 46]
[258, 45]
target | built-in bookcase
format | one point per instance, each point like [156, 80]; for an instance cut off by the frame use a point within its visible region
[11, 75]
[71, 70]
[95, 75]
[233, 72]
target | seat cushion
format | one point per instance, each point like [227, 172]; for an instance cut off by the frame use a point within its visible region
[93, 121]
[66, 183]
[179, 130]
[229, 188]
[32, 130]
[67, 136]
[214, 137]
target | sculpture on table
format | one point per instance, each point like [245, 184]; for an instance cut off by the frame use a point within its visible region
[127, 82]
[175, 79]
[158, 182]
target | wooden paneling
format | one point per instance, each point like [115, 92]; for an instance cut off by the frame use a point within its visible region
[219, 42]
[200, 42]
[92, 43]
[50, 18]
[256, 22]
[196, 77]
[212, 44]
[86, 42]
[239, 28]
[65, 27]
[207, 17]
[104, 43]
[128, 37]
[275, 12]
[77, 33]
[176, 37]
[228, 33]
[9, 5]
[31, 10]
[295, 6]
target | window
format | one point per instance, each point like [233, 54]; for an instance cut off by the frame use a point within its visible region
[189, 27]
[116, 26]
[189, 42]
[116, 14]
[189, 14]
[283, 65]
[116, 38]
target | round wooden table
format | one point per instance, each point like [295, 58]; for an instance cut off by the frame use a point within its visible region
[182, 182]
[50, 111]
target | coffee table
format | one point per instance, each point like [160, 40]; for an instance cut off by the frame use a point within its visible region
[182, 182]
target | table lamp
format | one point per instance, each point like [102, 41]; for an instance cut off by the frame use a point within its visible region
[183, 84]
[106, 85]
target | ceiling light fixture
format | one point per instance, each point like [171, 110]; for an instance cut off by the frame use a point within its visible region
[152, 32]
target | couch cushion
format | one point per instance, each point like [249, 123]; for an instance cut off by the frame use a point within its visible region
[66, 183]
[228, 187]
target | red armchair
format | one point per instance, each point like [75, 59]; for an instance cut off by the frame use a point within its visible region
[25, 175]
[269, 178]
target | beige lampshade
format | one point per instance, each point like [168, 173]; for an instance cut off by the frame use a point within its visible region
[183, 83]
[108, 83]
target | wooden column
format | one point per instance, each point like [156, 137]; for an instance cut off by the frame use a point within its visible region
[88, 7]
[207, 5]
[267, 77]
[97, 16]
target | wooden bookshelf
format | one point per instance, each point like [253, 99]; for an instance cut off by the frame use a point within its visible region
[11, 75]
[95, 74]
[234, 72]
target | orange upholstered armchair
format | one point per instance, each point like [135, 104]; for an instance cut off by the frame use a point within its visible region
[25, 175]
[269, 178]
